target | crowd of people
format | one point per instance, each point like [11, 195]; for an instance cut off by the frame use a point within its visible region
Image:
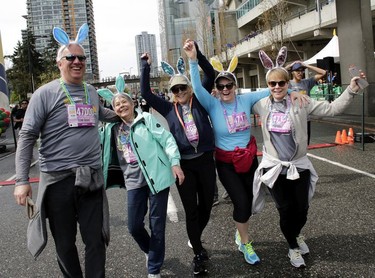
[207, 134]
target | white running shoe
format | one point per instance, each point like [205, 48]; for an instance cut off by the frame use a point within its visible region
[296, 258]
[304, 249]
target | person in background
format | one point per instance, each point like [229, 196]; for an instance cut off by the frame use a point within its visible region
[149, 158]
[70, 190]
[189, 123]
[304, 85]
[235, 153]
[285, 169]
[19, 114]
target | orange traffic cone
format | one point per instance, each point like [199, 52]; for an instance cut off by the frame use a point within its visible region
[338, 139]
[351, 132]
[344, 137]
[351, 136]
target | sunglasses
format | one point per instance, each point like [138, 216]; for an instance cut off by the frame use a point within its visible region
[221, 87]
[280, 83]
[72, 58]
[179, 88]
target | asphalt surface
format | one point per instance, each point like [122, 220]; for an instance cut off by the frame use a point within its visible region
[340, 230]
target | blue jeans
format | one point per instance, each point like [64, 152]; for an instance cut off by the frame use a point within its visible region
[154, 244]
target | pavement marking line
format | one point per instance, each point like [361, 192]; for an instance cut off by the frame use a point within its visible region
[31, 165]
[11, 180]
[342, 165]
[172, 209]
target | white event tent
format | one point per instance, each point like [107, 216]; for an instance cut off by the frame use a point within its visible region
[330, 50]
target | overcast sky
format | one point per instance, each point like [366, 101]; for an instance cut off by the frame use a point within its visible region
[117, 22]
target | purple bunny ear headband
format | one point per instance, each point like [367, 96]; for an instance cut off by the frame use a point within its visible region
[268, 63]
[62, 37]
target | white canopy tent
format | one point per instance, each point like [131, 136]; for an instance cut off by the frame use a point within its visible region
[330, 50]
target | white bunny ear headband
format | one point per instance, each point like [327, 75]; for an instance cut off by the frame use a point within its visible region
[268, 63]
[62, 37]
[218, 66]
[176, 78]
[120, 87]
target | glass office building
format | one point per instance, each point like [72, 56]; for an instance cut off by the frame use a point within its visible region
[43, 15]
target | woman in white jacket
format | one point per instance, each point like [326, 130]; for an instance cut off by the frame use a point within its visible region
[285, 168]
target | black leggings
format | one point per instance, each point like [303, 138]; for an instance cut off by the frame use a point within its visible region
[239, 187]
[197, 194]
[291, 198]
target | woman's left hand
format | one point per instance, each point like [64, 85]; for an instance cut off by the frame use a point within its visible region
[178, 174]
[301, 98]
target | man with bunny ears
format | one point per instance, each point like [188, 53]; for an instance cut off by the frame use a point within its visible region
[65, 113]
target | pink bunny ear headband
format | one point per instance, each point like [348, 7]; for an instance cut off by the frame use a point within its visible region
[268, 63]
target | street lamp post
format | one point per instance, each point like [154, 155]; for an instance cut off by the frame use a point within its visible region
[174, 58]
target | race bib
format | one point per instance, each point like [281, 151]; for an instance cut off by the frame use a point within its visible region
[80, 115]
[191, 130]
[237, 122]
[128, 153]
[279, 123]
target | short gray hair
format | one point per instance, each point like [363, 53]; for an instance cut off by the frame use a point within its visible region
[62, 48]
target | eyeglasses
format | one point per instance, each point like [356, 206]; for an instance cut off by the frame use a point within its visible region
[280, 83]
[221, 87]
[72, 58]
[179, 88]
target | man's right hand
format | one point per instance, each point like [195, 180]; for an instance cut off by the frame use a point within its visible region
[21, 192]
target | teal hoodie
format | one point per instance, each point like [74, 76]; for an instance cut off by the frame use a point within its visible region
[154, 147]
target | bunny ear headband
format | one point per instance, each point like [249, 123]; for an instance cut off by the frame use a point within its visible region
[218, 66]
[176, 78]
[120, 87]
[268, 63]
[62, 37]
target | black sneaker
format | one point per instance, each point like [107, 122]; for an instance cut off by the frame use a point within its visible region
[204, 255]
[199, 265]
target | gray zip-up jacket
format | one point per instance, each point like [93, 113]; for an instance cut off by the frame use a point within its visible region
[298, 117]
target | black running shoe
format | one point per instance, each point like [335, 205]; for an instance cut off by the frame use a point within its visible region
[199, 265]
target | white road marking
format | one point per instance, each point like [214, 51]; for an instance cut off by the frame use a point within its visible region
[172, 209]
[342, 166]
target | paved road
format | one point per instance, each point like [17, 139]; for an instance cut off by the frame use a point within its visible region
[340, 230]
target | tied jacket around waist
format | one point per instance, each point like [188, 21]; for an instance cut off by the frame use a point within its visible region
[298, 117]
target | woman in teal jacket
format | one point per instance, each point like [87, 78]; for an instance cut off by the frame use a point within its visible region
[149, 159]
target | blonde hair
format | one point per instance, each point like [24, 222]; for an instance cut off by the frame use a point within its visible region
[280, 72]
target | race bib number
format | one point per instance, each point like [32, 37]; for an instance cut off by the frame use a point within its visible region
[279, 123]
[237, 122]
[80, 115]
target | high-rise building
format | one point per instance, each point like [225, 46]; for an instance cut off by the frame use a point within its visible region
[180, 20]
[147, 43]
[43, 15]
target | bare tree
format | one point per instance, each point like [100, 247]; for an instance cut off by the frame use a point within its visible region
[273, 23]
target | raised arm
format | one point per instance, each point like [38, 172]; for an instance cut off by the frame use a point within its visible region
[159, 104]
[208, 70]
[201, 93]
[320, 73]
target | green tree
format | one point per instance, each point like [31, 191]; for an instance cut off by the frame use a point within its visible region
[51, 70]
[27, 66]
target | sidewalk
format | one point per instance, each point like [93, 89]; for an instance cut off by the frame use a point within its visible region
[353, 120]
